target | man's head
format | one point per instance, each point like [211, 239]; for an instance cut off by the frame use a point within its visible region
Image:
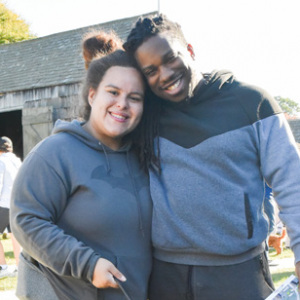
[164, 56]
[6, 144]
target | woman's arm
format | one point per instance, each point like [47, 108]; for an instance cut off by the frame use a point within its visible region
[39, 197]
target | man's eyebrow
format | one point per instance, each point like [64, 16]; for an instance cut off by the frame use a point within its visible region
[147, 68]
[164, 59]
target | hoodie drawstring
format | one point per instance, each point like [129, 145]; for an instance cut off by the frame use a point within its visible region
[136, 195]
[108, 168]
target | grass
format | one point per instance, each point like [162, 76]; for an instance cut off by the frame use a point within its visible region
[8, 283]
[278, 275]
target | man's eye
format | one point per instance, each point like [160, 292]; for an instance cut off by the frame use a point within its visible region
[149, 73]
[172, 58]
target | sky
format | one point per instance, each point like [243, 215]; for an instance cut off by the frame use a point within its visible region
[257, 40]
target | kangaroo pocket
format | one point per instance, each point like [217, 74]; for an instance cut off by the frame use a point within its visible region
[137, 270]
[222, 225]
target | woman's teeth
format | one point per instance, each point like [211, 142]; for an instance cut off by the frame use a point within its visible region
[118, 117]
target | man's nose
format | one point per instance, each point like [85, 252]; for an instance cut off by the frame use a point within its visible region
[165, 74]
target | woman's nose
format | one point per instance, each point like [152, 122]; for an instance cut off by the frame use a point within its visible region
[122, 101]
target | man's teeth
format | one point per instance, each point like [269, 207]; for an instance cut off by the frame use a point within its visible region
[174, 86]
[118, 116]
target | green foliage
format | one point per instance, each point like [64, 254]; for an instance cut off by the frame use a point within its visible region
[279, 275]
[288, 106]
[12, 27]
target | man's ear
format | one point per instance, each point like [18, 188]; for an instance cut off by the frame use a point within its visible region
[191, 50]
[91, 96]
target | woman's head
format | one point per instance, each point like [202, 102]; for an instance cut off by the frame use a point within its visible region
[113, 90]
[101, 51]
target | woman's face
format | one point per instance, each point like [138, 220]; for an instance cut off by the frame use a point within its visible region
[116, 105]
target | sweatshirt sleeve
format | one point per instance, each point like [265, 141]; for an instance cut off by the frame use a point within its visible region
[280, 163]
[39, 197]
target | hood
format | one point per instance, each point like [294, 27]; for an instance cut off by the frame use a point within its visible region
[75, 128]
[212, 83]
[208, 87]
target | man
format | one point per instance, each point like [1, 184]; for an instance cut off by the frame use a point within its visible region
[218, 139]
[9, 166]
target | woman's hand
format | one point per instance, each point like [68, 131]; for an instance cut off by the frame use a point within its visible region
[104, 274]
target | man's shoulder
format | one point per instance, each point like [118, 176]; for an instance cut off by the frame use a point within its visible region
[255, 101]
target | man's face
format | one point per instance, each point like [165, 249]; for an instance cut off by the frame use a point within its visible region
[166, 64]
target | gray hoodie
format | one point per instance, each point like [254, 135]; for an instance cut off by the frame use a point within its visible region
[74, 201]
[216, 151]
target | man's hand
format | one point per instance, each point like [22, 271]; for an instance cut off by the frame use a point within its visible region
[104, 274]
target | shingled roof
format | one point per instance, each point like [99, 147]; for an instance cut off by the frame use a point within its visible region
[51, 60]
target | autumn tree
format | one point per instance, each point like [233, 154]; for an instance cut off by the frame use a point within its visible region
[288, 106]
[12, 27]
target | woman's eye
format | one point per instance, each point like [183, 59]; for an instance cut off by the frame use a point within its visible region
[113, 93]
[136, 98]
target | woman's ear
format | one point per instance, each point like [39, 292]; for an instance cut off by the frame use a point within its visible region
[91, 96]
[191, 50]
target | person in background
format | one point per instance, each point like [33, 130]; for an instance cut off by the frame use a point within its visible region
[217, 139]
[81, 205]
[9, 166]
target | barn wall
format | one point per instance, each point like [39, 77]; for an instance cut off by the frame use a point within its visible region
[41, 108]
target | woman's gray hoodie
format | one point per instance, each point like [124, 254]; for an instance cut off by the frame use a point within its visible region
[74, 201]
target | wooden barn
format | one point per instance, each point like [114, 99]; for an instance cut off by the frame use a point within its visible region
[40, 82]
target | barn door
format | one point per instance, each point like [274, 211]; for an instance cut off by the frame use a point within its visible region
[37, 124]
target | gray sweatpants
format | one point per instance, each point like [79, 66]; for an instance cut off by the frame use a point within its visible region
[250, 280]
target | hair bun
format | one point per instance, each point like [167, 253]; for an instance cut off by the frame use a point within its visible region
[98, 44]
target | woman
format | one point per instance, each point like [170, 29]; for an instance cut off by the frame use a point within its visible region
[80, 206]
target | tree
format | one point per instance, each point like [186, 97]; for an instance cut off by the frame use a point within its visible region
[12, 27]
[289, 106]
